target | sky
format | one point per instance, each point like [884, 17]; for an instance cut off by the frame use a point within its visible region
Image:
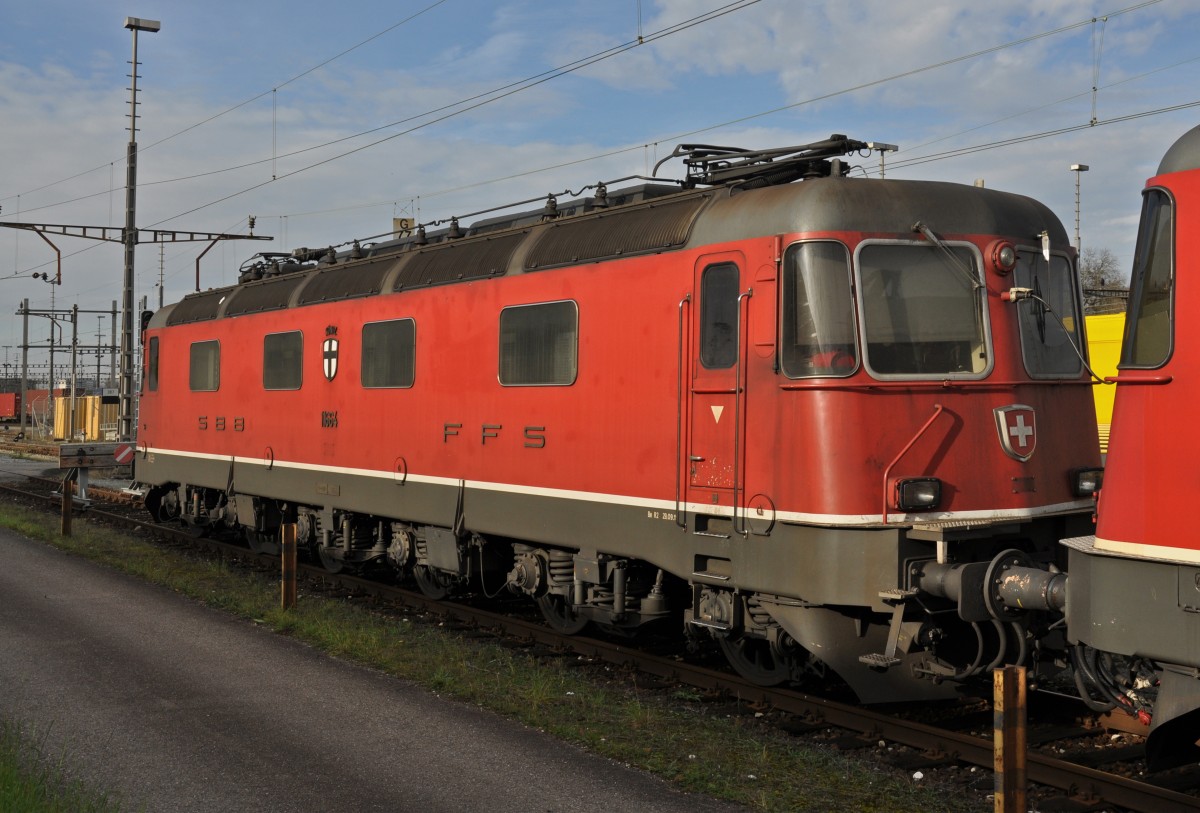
[326, 120]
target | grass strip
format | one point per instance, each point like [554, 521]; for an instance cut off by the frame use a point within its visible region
[702, 750]
[32, 781]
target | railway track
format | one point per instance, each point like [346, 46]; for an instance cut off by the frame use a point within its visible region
[1080, 764]
[9, 445]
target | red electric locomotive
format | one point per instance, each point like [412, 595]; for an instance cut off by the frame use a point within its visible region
[784, 405]
[1135, 586]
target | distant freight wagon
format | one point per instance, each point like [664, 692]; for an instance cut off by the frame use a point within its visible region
[10, 406]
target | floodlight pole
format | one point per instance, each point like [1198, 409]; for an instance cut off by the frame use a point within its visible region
[1078, 169]
[125, 427]
[883, 150]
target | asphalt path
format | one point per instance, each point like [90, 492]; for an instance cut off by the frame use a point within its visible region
[173, 706]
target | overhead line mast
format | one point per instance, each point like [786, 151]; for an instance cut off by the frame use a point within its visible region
[129, 236]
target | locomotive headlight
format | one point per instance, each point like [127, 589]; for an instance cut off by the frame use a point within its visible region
[1004, 257]
[916, 493]
[1086, 482]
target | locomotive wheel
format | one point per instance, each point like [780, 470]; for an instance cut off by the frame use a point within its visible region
[753, 659]
[163, 504]
[432, 582]
[333, 565]
[559, 615]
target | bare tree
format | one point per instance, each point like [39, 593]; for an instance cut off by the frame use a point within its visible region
[1103, 281]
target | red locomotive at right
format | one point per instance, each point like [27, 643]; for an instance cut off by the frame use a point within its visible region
[1135, 586]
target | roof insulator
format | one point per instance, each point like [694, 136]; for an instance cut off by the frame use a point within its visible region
[600, 201]
[454, 232]
[420, 239]
[330, 256]
[550, 211]
[356, 252]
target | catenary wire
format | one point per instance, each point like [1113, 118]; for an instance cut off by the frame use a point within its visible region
[531, 81]
[509, 90]
[914, 161]
[496, 93]
[237, 106]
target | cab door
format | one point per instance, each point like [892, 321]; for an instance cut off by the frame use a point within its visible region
[714, 413]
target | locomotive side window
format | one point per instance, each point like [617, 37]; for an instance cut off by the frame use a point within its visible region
[151, 377]
[204, 366]
[1148, 331]
[389, 352]
[922, 310]
[719, 316]
[283, 355]
[1048, 345]
[539, 344]
[818, 312]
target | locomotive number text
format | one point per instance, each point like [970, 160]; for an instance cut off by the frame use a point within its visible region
[329, 420]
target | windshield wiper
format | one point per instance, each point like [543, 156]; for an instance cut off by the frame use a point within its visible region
[957, 262]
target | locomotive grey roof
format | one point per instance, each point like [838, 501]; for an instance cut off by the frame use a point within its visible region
[654, 224]
[1183, 155]
[875, 205]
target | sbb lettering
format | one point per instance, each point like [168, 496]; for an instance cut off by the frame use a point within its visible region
[220, 423]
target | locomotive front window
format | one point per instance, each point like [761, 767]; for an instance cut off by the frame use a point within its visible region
[1049, 345]
[204, 366]
[719, 316]
[1148, 331]
[818, 312]
[922, 311]
[539, 344]
[283, 355]
[389, 352]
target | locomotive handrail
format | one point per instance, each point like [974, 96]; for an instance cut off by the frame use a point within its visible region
[1129, 379]
[680, 520]
[941, 384]
[938, 409]
[738, 393]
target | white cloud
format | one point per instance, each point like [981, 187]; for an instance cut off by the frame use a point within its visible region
[63, 101]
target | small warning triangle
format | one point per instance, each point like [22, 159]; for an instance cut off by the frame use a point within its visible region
[717, 410]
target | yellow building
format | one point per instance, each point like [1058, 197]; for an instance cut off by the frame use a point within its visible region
[94, 419]
[1104, 346]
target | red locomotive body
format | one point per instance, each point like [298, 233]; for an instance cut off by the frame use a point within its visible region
[1135, 585]
[800, 413]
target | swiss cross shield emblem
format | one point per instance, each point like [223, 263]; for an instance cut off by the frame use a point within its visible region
[1017, 427]
[330, 358]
